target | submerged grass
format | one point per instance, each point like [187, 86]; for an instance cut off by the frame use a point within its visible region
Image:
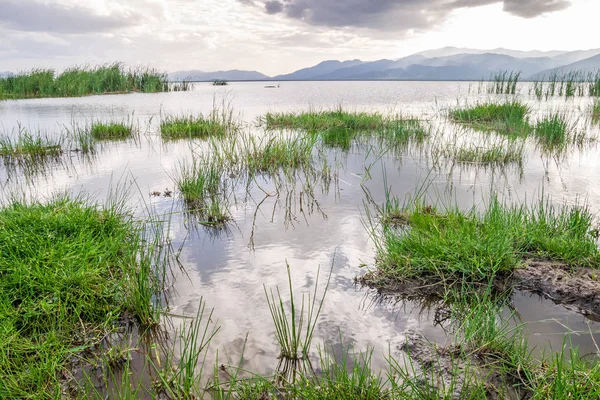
[509, 117]
[596, 111]
[69, 272]
[552, 129]
[495, 154]
[220, 122]
[202, 186]
[189, 127]
[26, 144]
[473, 246]
[339, 128]
[82, 81]
[110, 130]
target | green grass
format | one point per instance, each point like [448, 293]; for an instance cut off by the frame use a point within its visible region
[496, 154]
[295, 328]
[492, 155]
[510, 117]
[68, 273]
[191, 127]
[552, 130]
[274, 154]
[202, 187]
[473, 246]
[26, 144]
[340, 128]
[219, 123]
[81, 81]
[596, 111]
[110, 130]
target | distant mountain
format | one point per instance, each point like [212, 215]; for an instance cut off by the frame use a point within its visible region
[367, 68]
[232, 75]
[448, 63]
[6, 74]
[591, 64]
[320, 69]
[451, 51]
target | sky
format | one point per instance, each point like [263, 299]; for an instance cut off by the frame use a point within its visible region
[278, 36]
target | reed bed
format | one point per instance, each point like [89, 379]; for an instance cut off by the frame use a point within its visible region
[82, 81]
[572, 84]
[504, 82]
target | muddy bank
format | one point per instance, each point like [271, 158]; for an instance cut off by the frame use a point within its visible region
[460, 372]
[575, 288]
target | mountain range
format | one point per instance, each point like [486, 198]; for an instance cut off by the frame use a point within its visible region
[448, 63]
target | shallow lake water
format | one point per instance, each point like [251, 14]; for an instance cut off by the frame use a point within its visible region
[228, 268]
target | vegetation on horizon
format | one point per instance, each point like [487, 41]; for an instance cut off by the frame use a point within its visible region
[82, 81]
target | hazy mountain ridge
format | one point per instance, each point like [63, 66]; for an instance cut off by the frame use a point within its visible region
[448, 63]
[232, 75]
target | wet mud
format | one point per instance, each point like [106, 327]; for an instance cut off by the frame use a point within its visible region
[575, 288]
[459, 372]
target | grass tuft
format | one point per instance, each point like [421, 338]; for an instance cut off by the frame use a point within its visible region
[26, 144]
[110, 130]
[509, 117]
[295, 331]
[476, 246]
[340, 128]
[69, 272]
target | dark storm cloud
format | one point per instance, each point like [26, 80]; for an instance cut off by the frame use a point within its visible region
[396, 15]
[533, 8]
[32, 16]
[273, 7]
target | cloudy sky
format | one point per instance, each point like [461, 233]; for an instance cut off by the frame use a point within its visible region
[278, 36]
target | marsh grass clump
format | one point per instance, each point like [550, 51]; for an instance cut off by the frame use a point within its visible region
[220, 122]
[277, 154]
[313, 121]
[69, 272]
[202, 187]
[82, 81]
[191, 127]
[110, 130]
[508, 118]
[596, 111]
[340, 128]
[476, 246]
[552, 130]
[497, 154]
[26, 144]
